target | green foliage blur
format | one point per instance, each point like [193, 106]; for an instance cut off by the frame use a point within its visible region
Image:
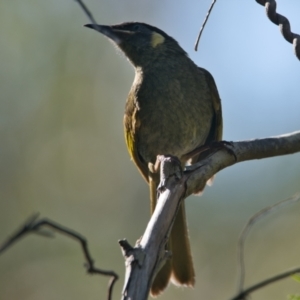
[294, 297]
[62, 150]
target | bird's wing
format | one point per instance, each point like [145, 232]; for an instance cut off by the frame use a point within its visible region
[216, 130]
[131, 124]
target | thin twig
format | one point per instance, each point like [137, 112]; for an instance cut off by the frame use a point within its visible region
[204, 23]
[243, 294]
[19, 233]
[35, 226]
[87, 11]
[253, 220]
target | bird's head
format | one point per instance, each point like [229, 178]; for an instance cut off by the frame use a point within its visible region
[140, 42]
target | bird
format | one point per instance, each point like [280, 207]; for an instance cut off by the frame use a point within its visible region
[173, 108]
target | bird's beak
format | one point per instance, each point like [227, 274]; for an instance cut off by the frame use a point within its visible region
[115, 35]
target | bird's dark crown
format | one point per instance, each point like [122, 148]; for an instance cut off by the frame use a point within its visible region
[138, 26]
[141, 43]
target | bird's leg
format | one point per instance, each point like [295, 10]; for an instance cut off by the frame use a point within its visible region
[195, 152]
[220, 145]
[210, 148]
[167, 165]
[154, 168]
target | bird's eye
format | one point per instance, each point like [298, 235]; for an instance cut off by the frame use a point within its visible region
[137, 27]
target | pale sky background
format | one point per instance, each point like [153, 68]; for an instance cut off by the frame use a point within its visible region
[62, 152]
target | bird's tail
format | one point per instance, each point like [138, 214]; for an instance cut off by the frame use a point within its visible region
[180, 267]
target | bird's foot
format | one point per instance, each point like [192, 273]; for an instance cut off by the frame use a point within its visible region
[223, 145]
[209, 149]
[167, 166]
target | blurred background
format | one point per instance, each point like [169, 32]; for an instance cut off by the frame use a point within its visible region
[62, 150]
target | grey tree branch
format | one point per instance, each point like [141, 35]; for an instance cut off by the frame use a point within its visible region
[144, 260]
[148, 255]
[198, 174]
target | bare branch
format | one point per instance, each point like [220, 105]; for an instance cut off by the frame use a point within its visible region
[204, 23]
[33, 225]
[143, 261]
[87, 12]
[243, 295]
[199, 173]
[253, 220]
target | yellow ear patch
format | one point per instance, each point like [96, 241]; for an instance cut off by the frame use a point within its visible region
[156, 39]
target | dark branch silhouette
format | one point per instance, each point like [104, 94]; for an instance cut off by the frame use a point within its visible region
[33, 225]
[143, 260]
[87, 11]
[245, 293]
[244, 234]
[283, 24]
[274, 17]
[204, 23]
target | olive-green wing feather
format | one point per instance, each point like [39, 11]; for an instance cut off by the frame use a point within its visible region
[131, 124]
[216, 131]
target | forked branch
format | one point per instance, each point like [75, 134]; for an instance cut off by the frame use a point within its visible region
[35, 225]
[175, 188]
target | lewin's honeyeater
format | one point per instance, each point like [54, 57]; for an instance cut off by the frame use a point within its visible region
[173, 107]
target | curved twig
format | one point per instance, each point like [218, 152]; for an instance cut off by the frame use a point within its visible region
[204, 23]
[242, 295]
[283, 24]
[253, 220]
[36, 226]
